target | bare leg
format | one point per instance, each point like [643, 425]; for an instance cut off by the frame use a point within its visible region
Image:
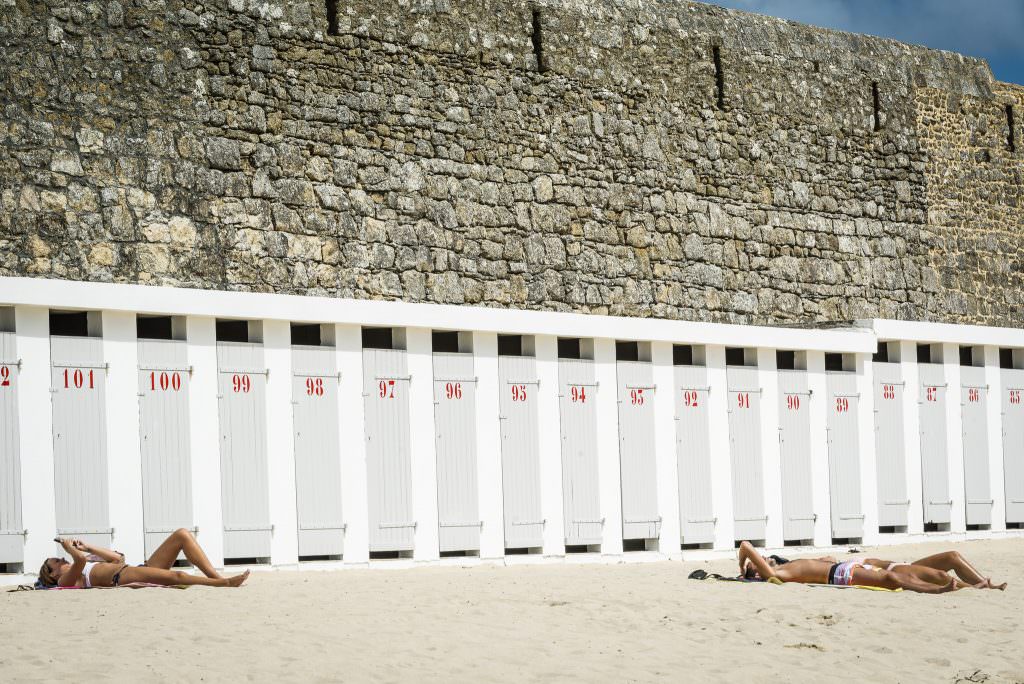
[174, 577]
[953, 560]
[182, 541]
[930, 575]
[879, 563]
[892, 580]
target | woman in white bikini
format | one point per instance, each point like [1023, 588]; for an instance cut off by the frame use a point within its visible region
[92, 566]
[824, 571]
[936, 569]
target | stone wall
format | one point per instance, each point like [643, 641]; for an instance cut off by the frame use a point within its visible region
[422, 153]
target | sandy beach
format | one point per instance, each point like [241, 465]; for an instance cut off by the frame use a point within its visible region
[630, 622]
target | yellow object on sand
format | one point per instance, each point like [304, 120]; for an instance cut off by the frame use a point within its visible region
[776, 580]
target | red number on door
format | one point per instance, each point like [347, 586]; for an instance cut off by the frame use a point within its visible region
[241, 383]
[453, 390]
[1014, 396]
[932, 393]
[793, 402]
[518, 392]
[77, 379]
[690, 398]
[842, 404]
[314, 387]
[743, 399]
[163, 381]
[636, 397]
[578, 394]
[888, 392]
[5, 376]
[386, 389]
[973, 395]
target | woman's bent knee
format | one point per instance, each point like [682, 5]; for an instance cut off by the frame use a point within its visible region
[889, 580]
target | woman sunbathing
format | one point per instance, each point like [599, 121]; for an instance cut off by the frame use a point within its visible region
[821, 571]
[934, 569]
[93, 566]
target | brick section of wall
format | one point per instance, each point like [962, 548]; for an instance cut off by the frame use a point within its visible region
[420, 154]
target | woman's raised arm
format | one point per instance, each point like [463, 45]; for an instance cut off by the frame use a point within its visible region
[107, 555]
[70, 577]
[749, 554]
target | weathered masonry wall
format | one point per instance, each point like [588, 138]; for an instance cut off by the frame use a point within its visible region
[421, 153]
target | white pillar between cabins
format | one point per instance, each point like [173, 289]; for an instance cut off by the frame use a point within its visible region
[768, 378]
[994, 380]
[35, 427]
[124, 460]
[608, 464]
[352, 428]
[203, 411]
[818, 415]
[721, 467]
[423, 455]
[912, 435]
[666, 461]
[868, 457]
[277, 356]
[488, 442]
[954, 437]
[550, 440]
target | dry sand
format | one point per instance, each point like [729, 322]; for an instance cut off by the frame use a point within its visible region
[632, 622]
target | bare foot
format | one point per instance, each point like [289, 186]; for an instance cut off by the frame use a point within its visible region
[237, 580]
[950, 586]
[987, 584]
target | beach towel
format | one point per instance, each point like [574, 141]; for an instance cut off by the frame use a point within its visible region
[132, 585]
[776, 580]
[703, 575]
[853, 586]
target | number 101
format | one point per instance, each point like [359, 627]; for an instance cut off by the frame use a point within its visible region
[77, 379]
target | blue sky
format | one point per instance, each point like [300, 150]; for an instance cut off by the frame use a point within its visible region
[991, 29]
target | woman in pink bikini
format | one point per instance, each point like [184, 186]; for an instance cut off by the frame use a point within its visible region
[936, 569]
[825, 571]
[97, 567]
[933, 569]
